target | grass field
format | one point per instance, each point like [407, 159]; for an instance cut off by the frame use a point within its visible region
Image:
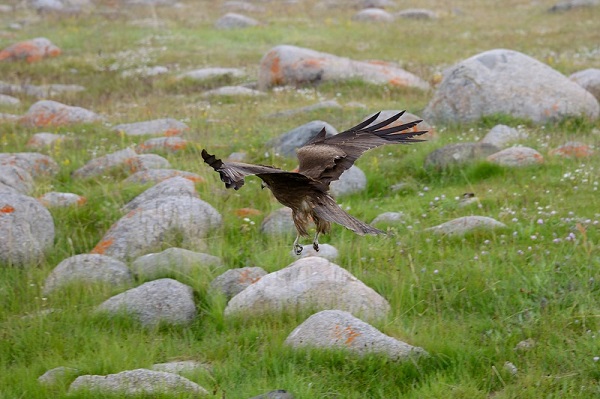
[468, 301]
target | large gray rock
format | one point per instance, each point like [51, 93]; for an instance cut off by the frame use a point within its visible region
[177, 261]
[33, 162]
[589, 79]
[52, 113]
[309, 283]
[26, 229]
[466, 224]
[106, 163]
[287, 143]
[336, 329]
[136, 382]
[156, 127]
[352, 181]
[173, 187]
[566, 5]
[511, 83]
[17, 178]
[417, 13]
[502, 135]
[459, 153]
[213, 73]
[290, 65]
[164, 301]
[234, 281]
[145, 229]
[88, 269]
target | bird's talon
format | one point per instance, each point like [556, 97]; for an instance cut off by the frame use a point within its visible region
[316, 246]
[298, 249]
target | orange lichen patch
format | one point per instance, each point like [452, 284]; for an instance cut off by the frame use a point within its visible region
[244, 212]
[81, 201]
[132, 164]
[43, 119]
[347, 334]
[29, 51]
[399, 82]
[576, 150]
[245, 278]
[7, 209]
[195, 179]
[173, 132]
[313, 62]
[102, 246]
[275, 68]
[180, 145]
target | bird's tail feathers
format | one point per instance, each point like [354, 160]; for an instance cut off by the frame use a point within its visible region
[329, 210]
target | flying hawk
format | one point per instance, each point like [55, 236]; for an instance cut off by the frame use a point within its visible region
[321, 161]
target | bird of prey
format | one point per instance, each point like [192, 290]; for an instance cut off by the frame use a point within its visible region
[321, 161]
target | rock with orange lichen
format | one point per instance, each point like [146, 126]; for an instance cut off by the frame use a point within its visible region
[55, 199]
[162, 144]
[46, 113]
[33, 162]
[336, 329]
[157, 221]
[509, 83]
[106, 163]
[311, 283]
[158, 175]
[234, 281]
[26, 229]
[17, 178]
[157, 127]
[291, 65]
[30, 50]
[144, 162]
[573, 149]
[516, 156]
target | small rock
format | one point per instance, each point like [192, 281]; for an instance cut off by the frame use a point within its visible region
[213, 73]
[160, 301]
[233, 91]
[459, 153]
[144, 162]
[336, 329]
[501, 135]
[417, 13]
[286, 144]
[181, 367]
[573, 149]
[146, 71]
[42, 141]
[9, 100]
[277, 394]
[373, 15]
[56, 375]
[352, 181]
[589, 79]
[234, 281]
[325, 251]
[511, 368]
[88, 269]
[278, 222]
[566, 5]
[525, 345]
[177, 261]
[465, 224]
[389, 218]
[30, 50]
[136, 382]
[51, 113]
[166, 144]
[55, 199]
[157, 127]
[235, 21]
[516, 156]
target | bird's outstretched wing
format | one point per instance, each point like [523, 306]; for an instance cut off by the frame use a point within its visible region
[329, 210]
[325, 159]
[233, 173]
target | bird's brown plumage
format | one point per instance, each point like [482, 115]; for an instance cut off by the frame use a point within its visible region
[321, 161]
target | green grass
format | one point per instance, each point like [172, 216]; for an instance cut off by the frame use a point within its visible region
[468, 301]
